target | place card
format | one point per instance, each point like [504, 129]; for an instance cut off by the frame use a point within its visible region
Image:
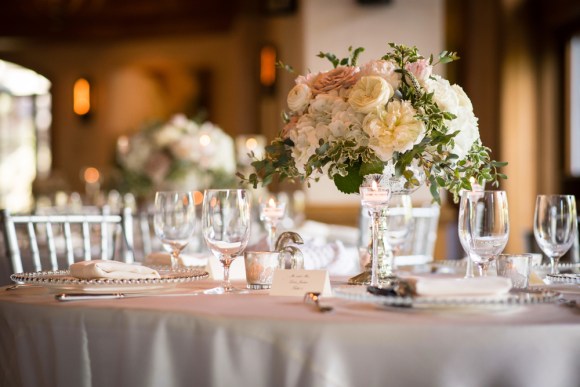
[216, 269]
[299, 282]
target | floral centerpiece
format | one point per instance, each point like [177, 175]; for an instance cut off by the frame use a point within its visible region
[354, 120]
[178, 154]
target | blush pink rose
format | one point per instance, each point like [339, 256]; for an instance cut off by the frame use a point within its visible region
[340, 77]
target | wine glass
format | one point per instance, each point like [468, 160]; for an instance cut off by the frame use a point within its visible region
[488, 226]
[226, 226]
[174, 221]
[555, 224]
[399, 220]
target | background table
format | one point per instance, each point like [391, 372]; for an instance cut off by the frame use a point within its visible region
[260, 340]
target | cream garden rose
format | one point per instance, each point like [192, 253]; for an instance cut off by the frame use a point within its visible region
[393, 129]
[370, 93]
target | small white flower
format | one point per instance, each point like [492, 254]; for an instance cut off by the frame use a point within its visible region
[369, 93]
[299, 97]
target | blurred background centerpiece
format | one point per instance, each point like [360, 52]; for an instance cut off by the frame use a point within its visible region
[180, 154]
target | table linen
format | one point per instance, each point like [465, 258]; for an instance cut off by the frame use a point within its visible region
[260, 340]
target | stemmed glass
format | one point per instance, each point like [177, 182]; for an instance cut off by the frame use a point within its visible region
[399, 220]
[226, 226]
[488, 226]
[174, 221]
[555, 223]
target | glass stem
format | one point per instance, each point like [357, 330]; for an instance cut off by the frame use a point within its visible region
[469, 269]
[554, 265]
[483, 269]
[226, 262]
[272, 236]
[375, 249]
[175, 258]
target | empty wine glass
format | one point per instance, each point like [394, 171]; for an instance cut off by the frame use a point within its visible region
[488, 226]
[174, 221]
[555, 224]
[226, 226]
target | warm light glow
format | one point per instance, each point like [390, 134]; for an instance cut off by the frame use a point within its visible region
[82, 97]
[268, 65]
[92, 175]
[374, 186]
[204, 140]
[197, 198]
[123, 145]
[251, 143]
[272, 203]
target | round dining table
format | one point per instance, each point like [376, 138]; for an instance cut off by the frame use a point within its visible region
[186, 337]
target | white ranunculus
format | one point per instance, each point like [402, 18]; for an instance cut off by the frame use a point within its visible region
[369, 93]
[299, 97]
[393, 129]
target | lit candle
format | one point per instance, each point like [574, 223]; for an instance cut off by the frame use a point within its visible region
[273, 210]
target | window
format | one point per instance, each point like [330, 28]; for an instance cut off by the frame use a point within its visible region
[25, 118]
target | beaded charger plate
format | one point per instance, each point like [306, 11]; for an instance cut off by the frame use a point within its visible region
[62, 282]
[564, 278]
[528, 296]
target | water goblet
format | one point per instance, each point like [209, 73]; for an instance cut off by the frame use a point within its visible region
[555, 224]
[226, 227]
[487, 225]
[174, 221]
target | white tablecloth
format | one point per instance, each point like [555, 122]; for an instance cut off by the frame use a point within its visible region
[259, 340]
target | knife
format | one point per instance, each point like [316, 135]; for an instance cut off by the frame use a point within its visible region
[111, 296]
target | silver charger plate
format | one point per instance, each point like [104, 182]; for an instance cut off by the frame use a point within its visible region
[523, 297]
[61, 281]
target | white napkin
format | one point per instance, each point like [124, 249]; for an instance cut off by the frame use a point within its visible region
[478, 286]
[164, 259]
[110, 269]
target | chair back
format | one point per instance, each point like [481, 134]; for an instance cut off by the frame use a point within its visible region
[54, 241]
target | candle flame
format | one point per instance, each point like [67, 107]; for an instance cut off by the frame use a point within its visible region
[272, 203]
[204, 140]
[374, 186]
[251, 143]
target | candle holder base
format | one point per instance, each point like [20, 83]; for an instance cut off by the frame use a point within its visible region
[364, 278]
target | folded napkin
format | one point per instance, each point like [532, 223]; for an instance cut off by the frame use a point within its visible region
[164, 259]
[110, 269]
[478, 286]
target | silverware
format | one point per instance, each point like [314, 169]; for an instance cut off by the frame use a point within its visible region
[111, 296]
[314, 298]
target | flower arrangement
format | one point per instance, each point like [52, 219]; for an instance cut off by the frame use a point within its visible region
[178, 154]
[353, 120]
